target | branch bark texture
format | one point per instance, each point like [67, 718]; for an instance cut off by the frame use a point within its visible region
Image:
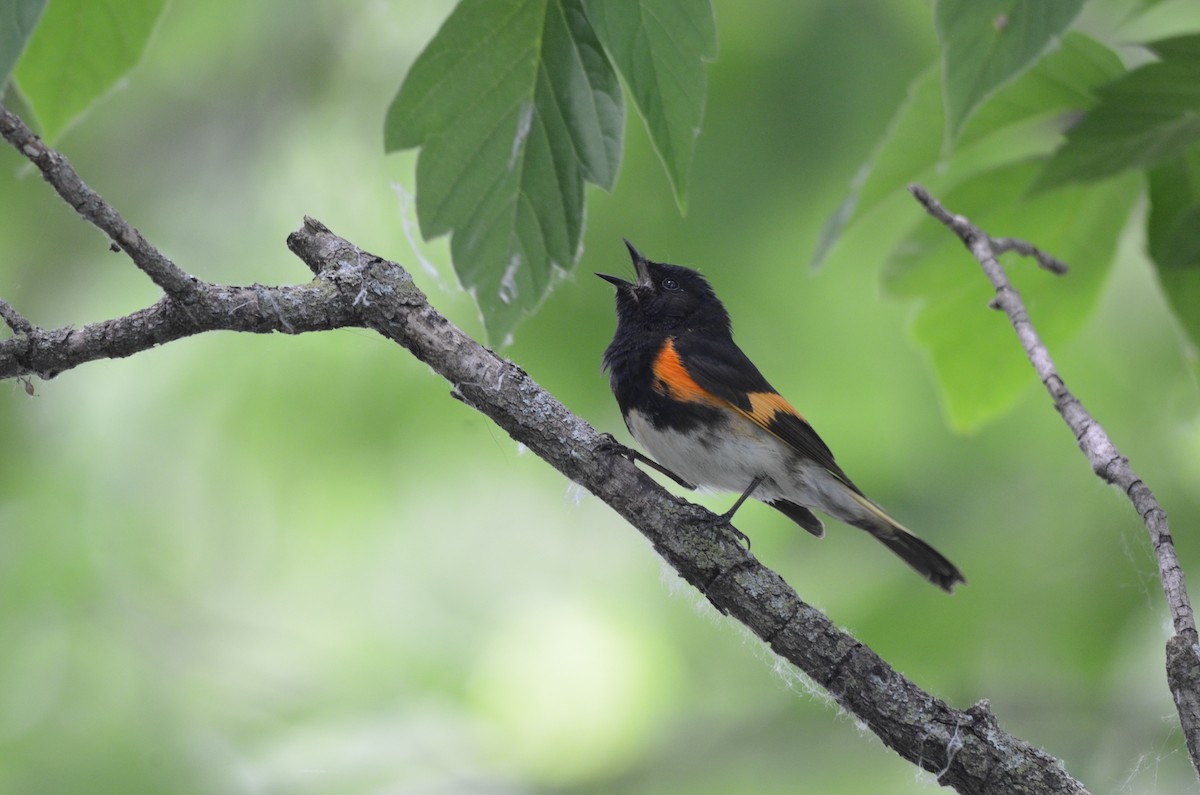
[1183, 651]
[966, 750]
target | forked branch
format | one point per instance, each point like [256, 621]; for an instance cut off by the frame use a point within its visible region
[1183, 653]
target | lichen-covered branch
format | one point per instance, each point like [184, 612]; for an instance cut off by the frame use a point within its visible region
[968, 749]
[289, 309]
[1183, 650]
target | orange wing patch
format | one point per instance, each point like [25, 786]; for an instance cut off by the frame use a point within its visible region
[768, 410]
[671, 378]
[765, 405]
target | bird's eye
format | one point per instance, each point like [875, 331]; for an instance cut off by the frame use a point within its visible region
[670, 283]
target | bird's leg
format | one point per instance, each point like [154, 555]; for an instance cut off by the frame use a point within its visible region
[725, 519]
[635, 456]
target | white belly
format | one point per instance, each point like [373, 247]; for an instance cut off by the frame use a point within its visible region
[731, 459]
[725, 461]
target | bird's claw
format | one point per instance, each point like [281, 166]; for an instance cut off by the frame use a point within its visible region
[724, 520]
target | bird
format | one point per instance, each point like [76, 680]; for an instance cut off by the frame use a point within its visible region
[707, 417]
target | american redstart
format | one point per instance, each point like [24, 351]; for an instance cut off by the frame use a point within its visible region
[704, 412]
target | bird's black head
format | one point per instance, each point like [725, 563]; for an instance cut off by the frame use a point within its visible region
[668, 299]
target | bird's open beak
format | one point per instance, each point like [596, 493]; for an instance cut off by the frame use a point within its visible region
[616, 281]
[639, 264]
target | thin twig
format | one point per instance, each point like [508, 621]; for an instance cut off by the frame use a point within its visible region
[1002, 245]
[1183, 653]
[58, 172]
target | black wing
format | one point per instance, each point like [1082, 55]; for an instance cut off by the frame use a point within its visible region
[720, 367]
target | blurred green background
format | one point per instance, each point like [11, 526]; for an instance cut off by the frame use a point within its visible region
[243, 564]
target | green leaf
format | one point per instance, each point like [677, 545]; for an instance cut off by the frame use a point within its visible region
[986, 43]
[977, 360]
[1178, 48]
[515, 105]
[660, 48]
[1021, 120]
[18, 18]
[1144, 118]
[79, 51]
[1173, 235]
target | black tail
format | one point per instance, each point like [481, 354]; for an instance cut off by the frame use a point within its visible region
[930, 563]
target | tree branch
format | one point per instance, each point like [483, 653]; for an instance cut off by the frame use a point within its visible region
[289, 309]
[965, 749]
[1183, 650]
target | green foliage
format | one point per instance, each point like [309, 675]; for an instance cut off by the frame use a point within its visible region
[1145, 117]
[979, 370]
[987, 43]
[17, 20]
[516, 105]
[979, 367]
[659, 47]
[1173, 235]
[79, 52]
[1017, 123]
[1115, 120]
